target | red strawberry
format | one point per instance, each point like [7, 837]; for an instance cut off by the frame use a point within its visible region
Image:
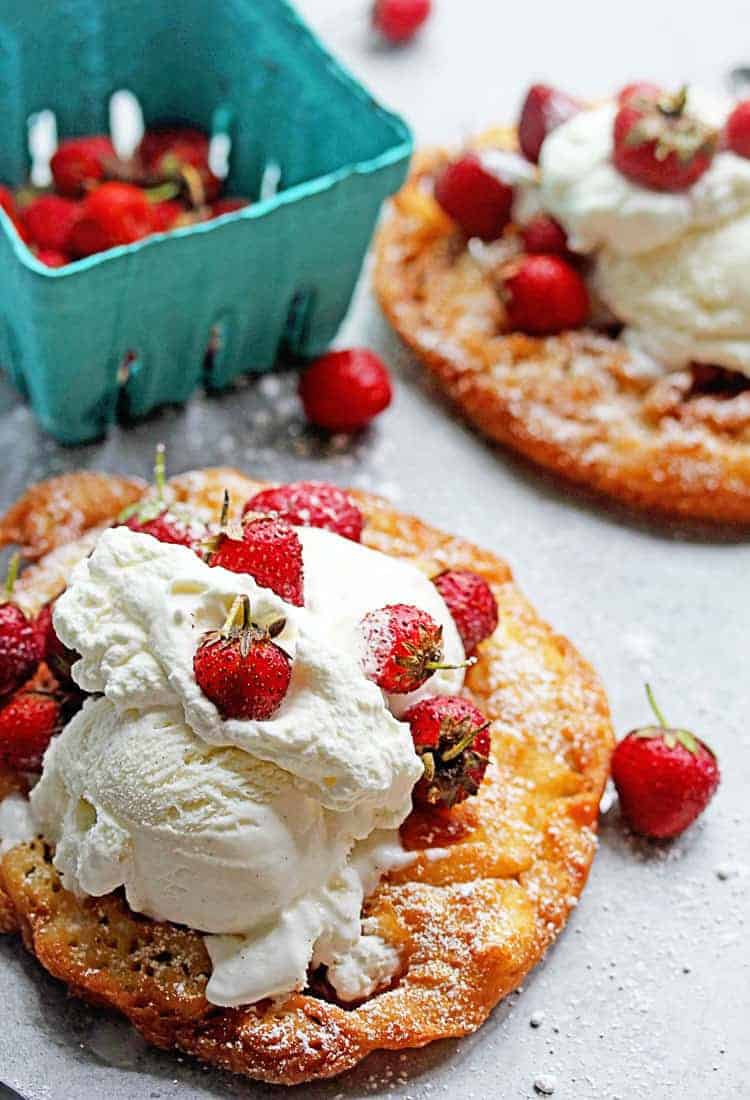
[311, 504]
[181, 153]
[471, 603]
[452, 739]
[401, 648]
[80, 162]
[50, 258]
[399, 20]
[639, 89]
[27, 722]
[658, 145]
[155, 517]
[165, 214]
[543, 295]
[228, 205]
[545, 235]
[50, 220]
[665, 777]
[8, 204]
[477, 200]
[241, 669]
[344, 390]
[19, 643]
[114, 214]
[52, 651]
[737, 131]
[543, 110]
[270, 552]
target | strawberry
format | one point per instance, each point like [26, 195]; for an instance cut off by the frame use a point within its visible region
[476, 199]
[401, 648]
[19, 643]
[52, 651]
[737, 129]
[28, 720]
[658, 145]
[344, 390]
[114, 214]
[543, 295]
[545, 235]
[311, 504]
[269, 551]
[399, 20]
[165, 214]
[639, 89]
[452, 739]
[543, 110]
[155, 517]
[50, 220]
[664, 777]
[8, 204]
[180, 153]
[228, 205]
[471, 603]
[80, 162]
[50, 258]
[241, 669]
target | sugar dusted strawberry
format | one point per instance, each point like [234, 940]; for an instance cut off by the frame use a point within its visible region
[471, 603]
[19, 642]
[544, 295]
[50, 219]
[639, 89]
[477, 201]
[80, 162]
[269, 551]
[28, 721]
[737, 129]
[156, 517]
[311, 504]
[543, 110]
[544, 235]
[402, 647]
[241, 669]
[452, 738]
[399, 20]
[344, 390]
[665, 777]
[113, 214]
[659, 144]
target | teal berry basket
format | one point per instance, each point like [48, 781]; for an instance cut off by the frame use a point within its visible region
[122, 332]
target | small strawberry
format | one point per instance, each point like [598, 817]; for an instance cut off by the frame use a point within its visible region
[113, 214]
[19, 642]
[165, 214]
[311, 504]
[269, 551]
[50, 220]
[401, 648]
[737, 129]
[399, 20]
[639, 89]
[155, 517]
[228, 205]
[8, 204]
[241, 669]
[471, 603]
[665, 777]
[659, 145]
[544, 295]
[452, 738]
[477, 200]
[52, 651]
[180, 153]
[344, 390]
[50, 258]
[545, 235]
[543, 110]
[28, 720]
[80, 162]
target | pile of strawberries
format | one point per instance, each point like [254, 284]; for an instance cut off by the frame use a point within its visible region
[657, 144]
[100, 201]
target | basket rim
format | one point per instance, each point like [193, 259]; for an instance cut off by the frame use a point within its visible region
[401, 148]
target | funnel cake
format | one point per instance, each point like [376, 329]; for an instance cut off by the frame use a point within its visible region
[491, 884]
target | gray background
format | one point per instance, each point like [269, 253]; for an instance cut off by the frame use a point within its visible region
[646, 994]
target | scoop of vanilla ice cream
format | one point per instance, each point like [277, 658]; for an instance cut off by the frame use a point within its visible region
[689, 300]
[264, 835]
[598, 206]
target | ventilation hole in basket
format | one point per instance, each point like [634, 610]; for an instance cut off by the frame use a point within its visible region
[220, 147]
[216, 351]
[297, 324]
[42, 141]
[125, 122]
[270, 181]
[127, 370]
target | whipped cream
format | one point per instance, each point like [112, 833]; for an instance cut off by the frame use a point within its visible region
[674, 266]
[16, 822]
[266, 836]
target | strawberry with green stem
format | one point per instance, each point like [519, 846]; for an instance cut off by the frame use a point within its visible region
[155, 516]
[19, 641]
